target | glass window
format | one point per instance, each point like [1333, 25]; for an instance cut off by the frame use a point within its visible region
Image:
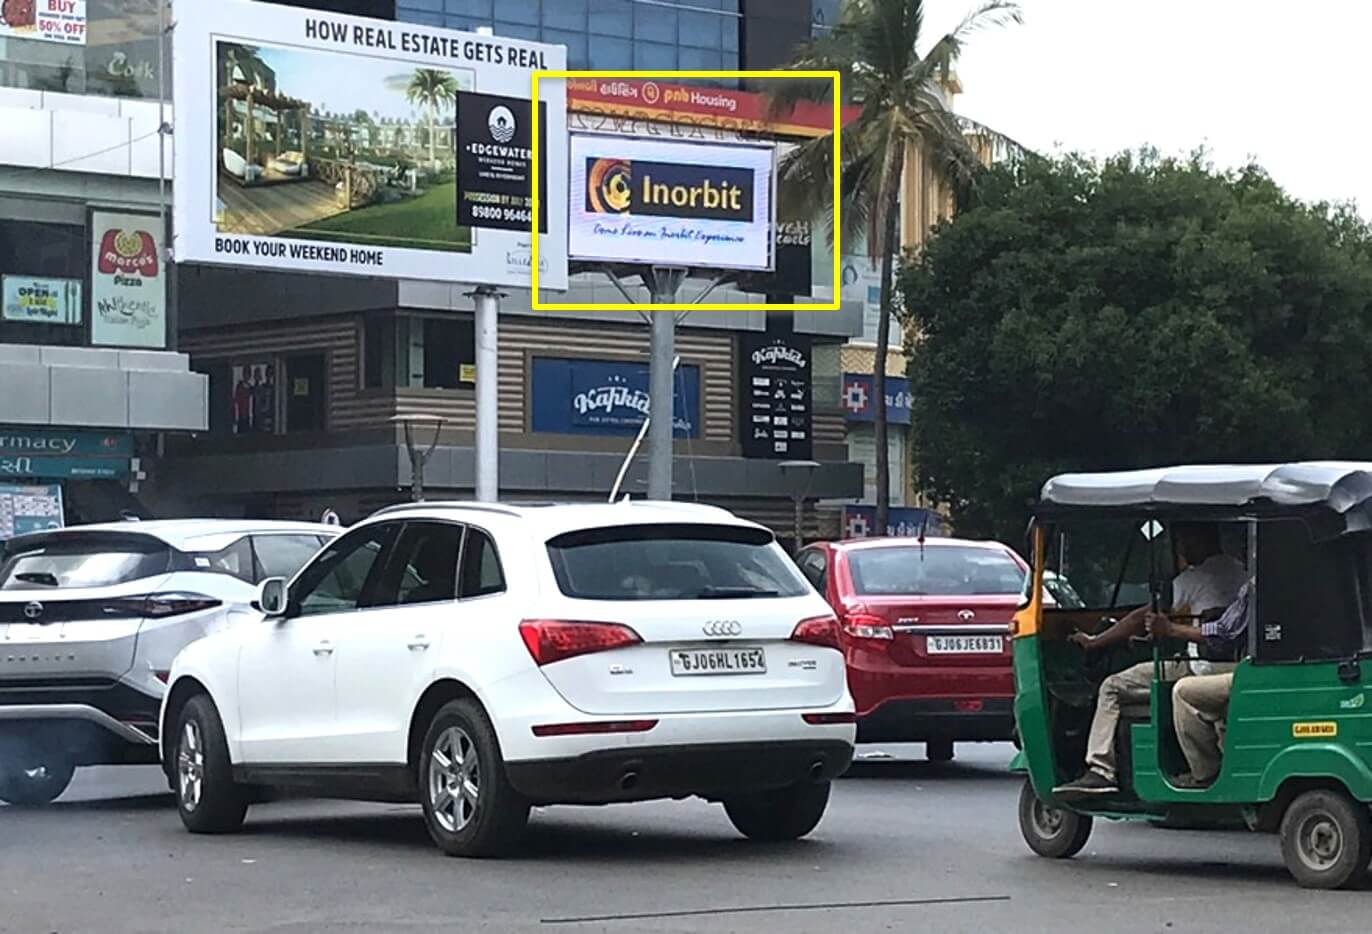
[305, 392]
[477, 8]
[575, 43]
[235, 560]
[564, 14]
[34, 562]
[466, 23]
[698, 29]
[423, 565]
[610, 18]
[814, 566]
[337, 579]
[656, 56]
[518, 11]
[425, 19]
[404, 8]
[701, 59]
[655, 23]
[673, 562]
[119, 57]
[283, 555]
[42, 267]
[611, 54]
[934, 570]
[729, 39]
[481, 571]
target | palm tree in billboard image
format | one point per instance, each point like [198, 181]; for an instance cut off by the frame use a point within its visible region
[904, 108]
[434, 90]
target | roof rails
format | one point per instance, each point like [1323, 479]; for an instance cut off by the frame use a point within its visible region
[497, 508]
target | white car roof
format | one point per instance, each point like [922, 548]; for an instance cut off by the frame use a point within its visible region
[204, 534]
[552, 519]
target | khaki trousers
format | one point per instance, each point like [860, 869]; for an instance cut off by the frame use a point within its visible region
[1130, 686]
[1199, 707]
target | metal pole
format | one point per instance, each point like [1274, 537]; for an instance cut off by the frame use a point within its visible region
[665, 284]
[487, 389]
[799, 521]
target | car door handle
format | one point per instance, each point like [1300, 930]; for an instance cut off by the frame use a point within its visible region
[419, 644]
[324, 648]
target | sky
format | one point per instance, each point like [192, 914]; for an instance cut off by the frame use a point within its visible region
[1280, 83]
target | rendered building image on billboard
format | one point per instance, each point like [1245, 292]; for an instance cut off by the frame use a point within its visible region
[670, 202]
[319, 142]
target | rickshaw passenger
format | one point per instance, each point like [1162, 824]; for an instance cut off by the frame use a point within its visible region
[1209, 580]
[1201, 703]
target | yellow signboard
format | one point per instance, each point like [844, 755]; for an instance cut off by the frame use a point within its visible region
[1309, 730]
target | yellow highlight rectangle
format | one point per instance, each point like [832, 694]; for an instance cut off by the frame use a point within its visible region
[670, 75]
[1308, 730]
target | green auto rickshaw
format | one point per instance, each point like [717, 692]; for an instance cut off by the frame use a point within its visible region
[1292, 732]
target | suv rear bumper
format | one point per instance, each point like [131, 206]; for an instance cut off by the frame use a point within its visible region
[59, 712]
[922, 719]
[97, 722]
[711, 770]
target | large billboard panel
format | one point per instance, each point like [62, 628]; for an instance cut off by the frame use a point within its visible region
[317, 142]
[671, 203]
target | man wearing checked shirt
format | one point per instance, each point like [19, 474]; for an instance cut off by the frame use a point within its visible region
[1200, 703]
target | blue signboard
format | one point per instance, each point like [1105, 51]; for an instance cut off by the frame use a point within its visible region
[859, 404]
[906, 521]
[607, 397]
[18, 441]
[64, 468]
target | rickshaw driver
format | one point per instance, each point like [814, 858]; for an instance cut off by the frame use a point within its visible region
[1201, 703]
[1209, 580]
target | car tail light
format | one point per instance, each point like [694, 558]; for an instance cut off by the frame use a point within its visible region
[824, 719]
[553, 640]
[162, 605]
[817, 630]
[967, 706]
[860, 626]
[601, 726]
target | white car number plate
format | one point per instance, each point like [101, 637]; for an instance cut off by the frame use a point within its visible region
[966, 645]
[730, 661]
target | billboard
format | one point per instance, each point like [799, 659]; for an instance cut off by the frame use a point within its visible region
[317, 142]
[905, 521]
[775, 382]
[47, 20]
[128, 281]
[607, 397]
[673, 203]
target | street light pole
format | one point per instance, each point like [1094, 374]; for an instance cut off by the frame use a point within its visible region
[487, 306]
[799, 475]
[419, 459]
[664, 283]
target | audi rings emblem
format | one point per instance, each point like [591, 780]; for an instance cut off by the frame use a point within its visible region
[966, 615]
[722, 627]
[33, 609]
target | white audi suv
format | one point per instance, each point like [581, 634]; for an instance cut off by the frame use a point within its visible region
[483, 659]
[90, 620]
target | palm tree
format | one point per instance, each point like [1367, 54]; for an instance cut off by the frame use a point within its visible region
[874, 47]
[433, 89]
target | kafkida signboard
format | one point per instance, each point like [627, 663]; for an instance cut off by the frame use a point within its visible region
[775, 381]
[128, 281]
[683, 204]
[317, 142]
[607, 397]
[46, 20]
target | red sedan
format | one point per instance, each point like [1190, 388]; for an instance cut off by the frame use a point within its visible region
[925, 631]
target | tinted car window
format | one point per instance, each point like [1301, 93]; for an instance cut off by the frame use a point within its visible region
[283, 555]
[481, 572]
[673, 562]
[813, 566]
[942, 570]
[81, 561]
[423, 566]
[337, 579]
[235, 560]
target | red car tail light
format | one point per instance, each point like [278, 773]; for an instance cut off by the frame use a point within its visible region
[861, 626]
[817, 630]
[553, 640]
[602, 726]
[161, 605]
[824, 719]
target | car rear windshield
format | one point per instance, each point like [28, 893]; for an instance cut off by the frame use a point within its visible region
[81, 561]
[673, 562]
[935, 571]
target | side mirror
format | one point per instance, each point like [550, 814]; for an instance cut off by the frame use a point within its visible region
[271, 597]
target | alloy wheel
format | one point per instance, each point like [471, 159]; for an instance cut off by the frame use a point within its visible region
[454, 779]
[190, 766]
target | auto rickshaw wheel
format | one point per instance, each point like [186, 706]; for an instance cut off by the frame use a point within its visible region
[1052, 832]
[1326, 839]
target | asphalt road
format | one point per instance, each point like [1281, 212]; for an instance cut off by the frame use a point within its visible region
[905, 846]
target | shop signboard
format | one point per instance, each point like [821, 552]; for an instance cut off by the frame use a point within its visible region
[859, 402]
[128, 281]
[29, 508]
[41, 301]
[44, 20]
[671, 202]
[58, 454]
[860, 521]
[607, 397]
[319, 142]
[775, 382]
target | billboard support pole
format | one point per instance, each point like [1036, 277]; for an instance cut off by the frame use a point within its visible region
[487, 302]
[665, 283]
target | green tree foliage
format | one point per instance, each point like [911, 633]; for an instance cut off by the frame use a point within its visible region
[1135, 313]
